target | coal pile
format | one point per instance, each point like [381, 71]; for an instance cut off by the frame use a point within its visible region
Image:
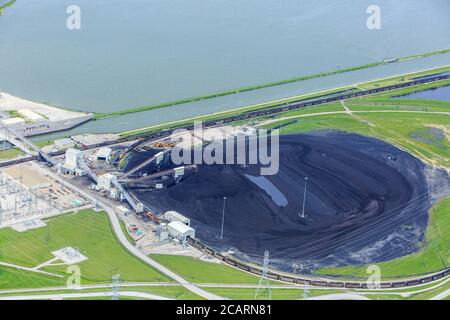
[366, 202]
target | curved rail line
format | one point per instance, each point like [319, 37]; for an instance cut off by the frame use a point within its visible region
[335, 283]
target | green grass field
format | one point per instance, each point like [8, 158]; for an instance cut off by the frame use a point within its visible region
[171, 292]
[198, 271]
[90, 232]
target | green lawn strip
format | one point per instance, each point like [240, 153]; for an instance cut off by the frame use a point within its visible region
[10, 153]
[432, 256]
[90, 232]
[12, 278]
[125, 232]
[197, 271]
[430, 293]
[322, 122]
[402, 104]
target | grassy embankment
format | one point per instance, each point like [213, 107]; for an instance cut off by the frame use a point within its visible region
[90, 232]
[260, 86]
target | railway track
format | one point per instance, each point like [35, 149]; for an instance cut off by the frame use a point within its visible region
[144, 138]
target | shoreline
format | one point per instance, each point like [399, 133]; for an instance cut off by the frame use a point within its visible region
[98, 116]
[32, 119]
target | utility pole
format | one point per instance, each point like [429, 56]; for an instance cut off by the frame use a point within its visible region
[304, 198]
[223, 217]
[264, 283]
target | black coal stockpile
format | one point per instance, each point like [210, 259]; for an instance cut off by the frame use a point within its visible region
[366, 201]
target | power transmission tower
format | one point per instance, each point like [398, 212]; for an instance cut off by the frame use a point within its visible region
[306, 293]
[115, 279]
[264, 284]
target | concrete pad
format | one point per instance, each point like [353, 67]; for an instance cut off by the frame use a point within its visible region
[69, 255]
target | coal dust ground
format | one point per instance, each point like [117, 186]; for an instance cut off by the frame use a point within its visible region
[366, 202]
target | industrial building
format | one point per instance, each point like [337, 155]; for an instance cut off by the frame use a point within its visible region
[104, 154]
[178, 230]
[30, 115]
[106, 182]
[72, 163]
[176, 216]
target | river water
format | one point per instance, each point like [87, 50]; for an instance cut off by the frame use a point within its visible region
[141, 52]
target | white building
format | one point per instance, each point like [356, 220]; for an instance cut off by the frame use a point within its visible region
[73, 156]
[178, 230]
[13, 121]
[176, 216]
[30, 115]
[104, 154]
[62, 144]
[105, 182]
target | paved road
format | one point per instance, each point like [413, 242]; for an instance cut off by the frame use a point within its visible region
[58, 296]
[441, 295]
[340, 296]
[114, 220]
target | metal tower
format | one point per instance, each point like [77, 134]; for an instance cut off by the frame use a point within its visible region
[264, 284]
[115, 279]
